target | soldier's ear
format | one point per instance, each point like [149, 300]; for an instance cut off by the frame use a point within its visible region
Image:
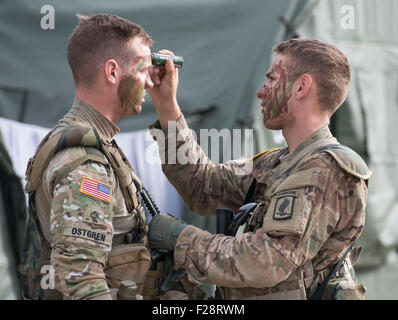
[304, 84]
[112, 71]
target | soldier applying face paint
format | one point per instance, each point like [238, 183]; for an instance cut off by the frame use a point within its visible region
[304, 205]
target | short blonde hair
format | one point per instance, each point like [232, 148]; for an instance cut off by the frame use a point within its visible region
[327, 64]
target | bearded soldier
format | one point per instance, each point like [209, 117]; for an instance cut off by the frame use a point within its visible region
[87, 222]
[309, 197]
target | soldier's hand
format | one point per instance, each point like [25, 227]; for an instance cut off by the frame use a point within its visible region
[164, 91]
[165, 80]
[164, 230]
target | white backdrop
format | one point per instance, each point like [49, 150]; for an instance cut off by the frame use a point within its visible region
[22, 140]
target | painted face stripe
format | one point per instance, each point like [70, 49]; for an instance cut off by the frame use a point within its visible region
[136, 91]
[289, 88]
[138, 95]
[133, 92]
[126, 84]
[273, 111]
[139, 66]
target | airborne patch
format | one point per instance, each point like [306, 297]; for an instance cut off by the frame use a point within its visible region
[284, 205]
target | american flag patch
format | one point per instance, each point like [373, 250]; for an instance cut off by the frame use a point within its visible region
[96, 189]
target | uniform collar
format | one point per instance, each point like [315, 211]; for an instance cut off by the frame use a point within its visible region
[84, 112]
[322, 133]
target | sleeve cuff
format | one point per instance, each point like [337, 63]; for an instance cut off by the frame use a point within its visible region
[183, 243]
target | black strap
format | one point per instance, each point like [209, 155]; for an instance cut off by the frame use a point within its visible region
[317, 295]
[250, 194]
[224, 218]
[14, 210]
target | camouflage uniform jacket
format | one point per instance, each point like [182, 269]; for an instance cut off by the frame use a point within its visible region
[307, 216]
[80, 226]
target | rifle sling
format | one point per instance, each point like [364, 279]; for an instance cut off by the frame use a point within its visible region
[317, 295]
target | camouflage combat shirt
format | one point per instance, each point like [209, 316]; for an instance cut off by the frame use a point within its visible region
[80, 226]
[307, 215]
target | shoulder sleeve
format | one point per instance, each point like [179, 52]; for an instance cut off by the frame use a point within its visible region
[69, 159]
[82, 230]
[203, 184]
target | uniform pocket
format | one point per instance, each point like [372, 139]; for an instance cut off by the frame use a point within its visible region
[291, 204]
[344, 290]
[128, 262]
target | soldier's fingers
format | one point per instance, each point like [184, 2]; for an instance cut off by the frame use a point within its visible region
[154, 74]
[169, 65]
[157, 74]
[171, 74]
[165, 51]
[162, 72]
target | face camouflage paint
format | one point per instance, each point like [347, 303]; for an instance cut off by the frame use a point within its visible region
[275, 97]
[131, 87]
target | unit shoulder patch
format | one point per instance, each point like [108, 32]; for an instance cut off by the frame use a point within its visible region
[284, 205]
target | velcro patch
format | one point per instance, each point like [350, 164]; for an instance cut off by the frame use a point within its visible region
[84, 233]
[96, 189]
[284, 205]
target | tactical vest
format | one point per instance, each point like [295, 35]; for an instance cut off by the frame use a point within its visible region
[304, 280]
[36, 251]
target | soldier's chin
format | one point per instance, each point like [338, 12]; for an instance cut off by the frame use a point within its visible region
[133, 110]
[138, 109]
[274, 124]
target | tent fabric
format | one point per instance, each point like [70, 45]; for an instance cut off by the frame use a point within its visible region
[225, 44]
[22, 140]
